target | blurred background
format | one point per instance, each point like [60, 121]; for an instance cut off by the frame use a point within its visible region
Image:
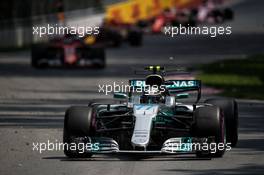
[18, 17]
[132, 35]
[42, 76]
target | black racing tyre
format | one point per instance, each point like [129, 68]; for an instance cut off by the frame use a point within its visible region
[135, 38]
[114, 38]
[175, 23]
[99, 53]
[230, 109]
[117, 41]
[142, 24]
[210, 121]
[194, 13]
[217, 15]
[37, 52]
[228, 14]
[78, 126]
[192, 22]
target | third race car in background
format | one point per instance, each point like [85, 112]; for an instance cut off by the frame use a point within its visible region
[208, 12]
[113, 33]
[211, 12]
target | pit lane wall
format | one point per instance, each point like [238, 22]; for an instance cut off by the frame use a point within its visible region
[132, 11]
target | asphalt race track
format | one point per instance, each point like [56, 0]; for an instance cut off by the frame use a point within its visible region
[32, 105]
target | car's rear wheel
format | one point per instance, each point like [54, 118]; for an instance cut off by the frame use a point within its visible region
[116, 40]
[99, 53]
[78, 127]
[228, 14]
[230, 109]
[210, 121]
[37, 52]
[135, 38]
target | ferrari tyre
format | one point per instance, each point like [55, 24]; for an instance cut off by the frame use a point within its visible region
[99, 53]
[117, 41]
[37, 51]
[228, 14]
[135, 38]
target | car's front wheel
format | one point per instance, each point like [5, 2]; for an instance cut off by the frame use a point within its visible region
[78, 127]
[210, 122]
[230, 109]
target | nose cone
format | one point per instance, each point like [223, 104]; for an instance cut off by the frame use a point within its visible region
[144, 115]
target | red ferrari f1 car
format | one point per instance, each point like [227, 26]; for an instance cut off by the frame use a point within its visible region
[67, 51]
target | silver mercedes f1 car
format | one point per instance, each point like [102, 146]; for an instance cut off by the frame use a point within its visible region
[153, 118]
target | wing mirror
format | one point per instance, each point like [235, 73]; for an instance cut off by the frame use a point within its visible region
[183, 95]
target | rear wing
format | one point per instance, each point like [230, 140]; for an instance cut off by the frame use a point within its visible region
[185, 85]
[178, 86]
